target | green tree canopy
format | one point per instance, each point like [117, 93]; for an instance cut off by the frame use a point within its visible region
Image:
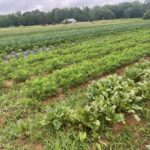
[146, 15]
[102, 13]
[36, 17]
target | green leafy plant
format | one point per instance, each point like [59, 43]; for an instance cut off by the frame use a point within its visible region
[106, 102]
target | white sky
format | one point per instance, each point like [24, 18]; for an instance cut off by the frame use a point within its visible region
[10, 6]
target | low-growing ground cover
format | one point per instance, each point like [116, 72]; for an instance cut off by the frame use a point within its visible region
[47, 62]
[64, 98]
[18, 42]
[85, 118]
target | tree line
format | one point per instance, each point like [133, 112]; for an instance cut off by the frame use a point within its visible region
[37, 17]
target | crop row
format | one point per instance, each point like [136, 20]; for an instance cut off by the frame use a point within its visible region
[5, 32]
[25, 42]
[24, 70]
[43, 87]
[106, 101]
[73, 48]
[94, 42]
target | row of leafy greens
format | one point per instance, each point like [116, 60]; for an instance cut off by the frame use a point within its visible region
[107, 101]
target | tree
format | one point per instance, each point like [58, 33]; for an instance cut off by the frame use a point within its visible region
[115, 9]
[134, 11]
[146, 15]
[37, 17]
[79, 14]
[87, 14]
[146, 5]
[122, 8]
[102, 13]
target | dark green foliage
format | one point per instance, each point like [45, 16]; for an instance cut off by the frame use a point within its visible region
[36, 17]
[136, 10]
[146, 15]
[102, 13]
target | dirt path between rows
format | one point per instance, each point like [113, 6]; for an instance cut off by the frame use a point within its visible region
[61, 95]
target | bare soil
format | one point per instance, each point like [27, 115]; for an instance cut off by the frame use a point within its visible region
[39, 147]
[129, 121]
[8, 84]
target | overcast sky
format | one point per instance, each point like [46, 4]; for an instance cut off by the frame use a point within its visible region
[9, 6]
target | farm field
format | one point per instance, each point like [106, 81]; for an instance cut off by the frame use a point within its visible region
[77, 86]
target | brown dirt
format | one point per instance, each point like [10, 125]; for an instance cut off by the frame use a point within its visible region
[22, 141]
[121, 71]
[33, 77]
[53, 99]
[148, 58]
[117, 127]
[143, 147]
[2, 121]
[39, 147]
[129, 121]
[8, 83]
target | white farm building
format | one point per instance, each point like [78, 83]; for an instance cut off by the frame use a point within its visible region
[71, 20]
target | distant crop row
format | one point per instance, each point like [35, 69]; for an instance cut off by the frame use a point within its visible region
[25, 42]
[43, 87]
[47, 62]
